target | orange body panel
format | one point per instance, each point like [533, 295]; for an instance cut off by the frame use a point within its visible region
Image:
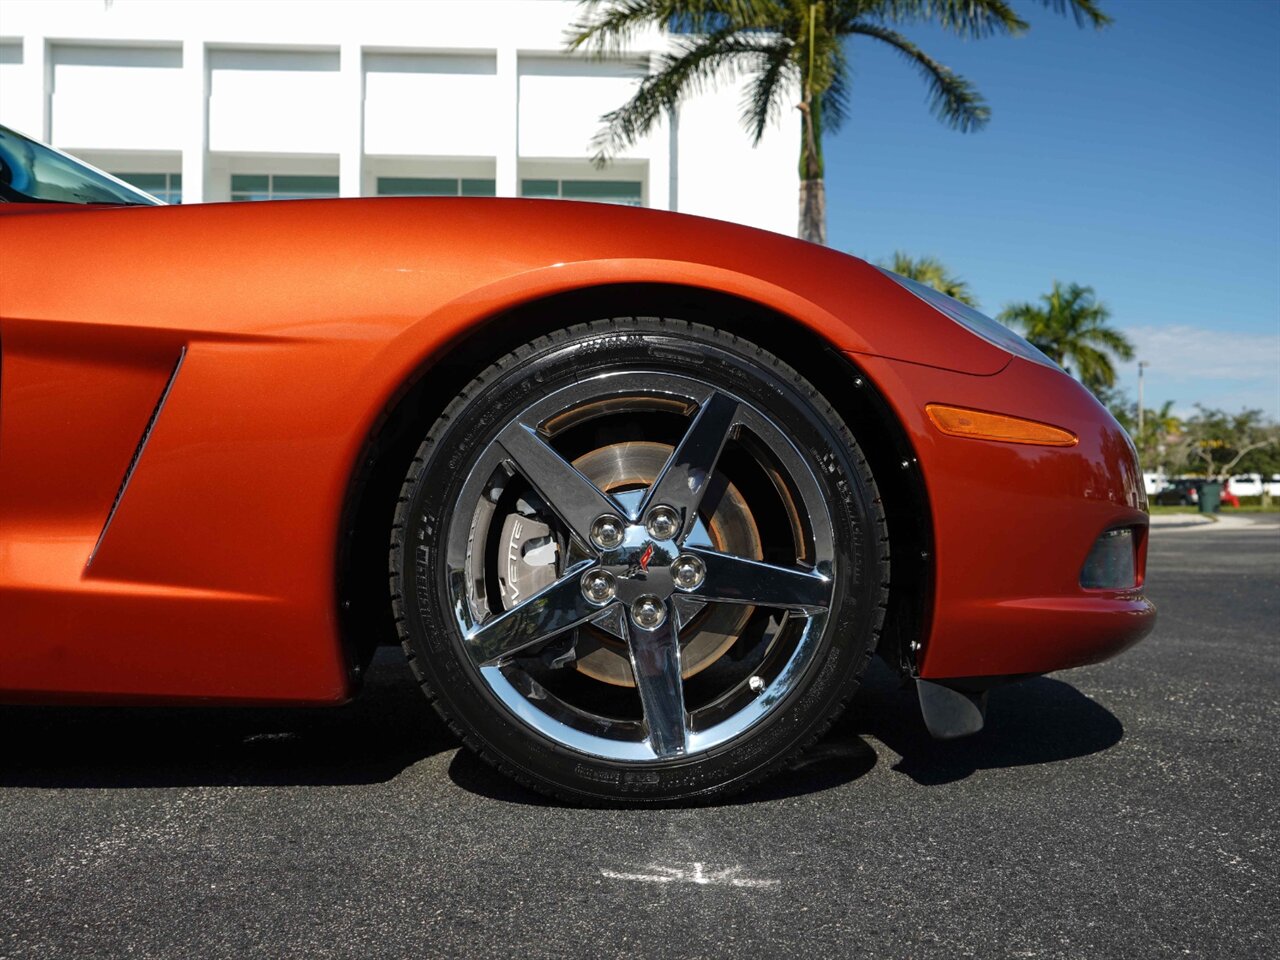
[296, 323]
[1014, 523]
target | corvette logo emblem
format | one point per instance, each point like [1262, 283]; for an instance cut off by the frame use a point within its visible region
[646, 557]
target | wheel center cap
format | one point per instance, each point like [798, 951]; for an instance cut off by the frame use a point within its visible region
[641, 565]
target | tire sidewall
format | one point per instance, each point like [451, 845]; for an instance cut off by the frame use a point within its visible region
[728, 363]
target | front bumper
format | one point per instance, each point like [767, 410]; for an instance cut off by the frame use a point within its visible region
[1013, 524]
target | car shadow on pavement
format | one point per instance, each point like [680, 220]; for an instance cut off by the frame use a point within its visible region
[1036, 721]
[388, 727]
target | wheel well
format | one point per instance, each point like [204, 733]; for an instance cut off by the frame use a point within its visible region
[362, 563]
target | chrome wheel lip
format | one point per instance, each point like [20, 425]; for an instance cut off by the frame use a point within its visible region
[765, 701]
[628, 741]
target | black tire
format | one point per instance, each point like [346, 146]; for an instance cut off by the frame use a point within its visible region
[429, 507]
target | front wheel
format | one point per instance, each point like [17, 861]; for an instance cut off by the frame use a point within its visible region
[639, 560]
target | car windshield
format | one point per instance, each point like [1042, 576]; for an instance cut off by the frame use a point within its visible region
[30, 172]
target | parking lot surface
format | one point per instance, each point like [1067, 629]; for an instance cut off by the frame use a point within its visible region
[1127, 809]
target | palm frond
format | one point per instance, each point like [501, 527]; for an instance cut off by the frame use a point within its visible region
[690, 66]
[1072, 325]
[1026, 317]
[1085, 12]
[608, 27]
[1113, 341]
[835, 99]
[952, 97]
[933, 273]
[762, 100]
[973, 19]
[1094, 367]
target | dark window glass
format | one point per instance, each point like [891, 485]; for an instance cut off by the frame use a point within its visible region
[602, 191]
[539, 188]
[435, 187]
[247, 181]
[629, 192]
[286, 187]
[279, 186]
[417, 187]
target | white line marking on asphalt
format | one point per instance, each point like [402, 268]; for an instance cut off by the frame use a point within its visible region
[696, 873]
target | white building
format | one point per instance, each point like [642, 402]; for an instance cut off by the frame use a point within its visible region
[206, 100]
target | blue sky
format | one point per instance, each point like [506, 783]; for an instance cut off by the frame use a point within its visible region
[1143, 160]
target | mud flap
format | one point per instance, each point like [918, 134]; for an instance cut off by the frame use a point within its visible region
[950, 713]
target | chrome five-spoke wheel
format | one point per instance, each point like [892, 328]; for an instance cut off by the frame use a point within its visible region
[636, 567]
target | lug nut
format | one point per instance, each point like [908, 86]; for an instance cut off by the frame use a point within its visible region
[663, 523]
[688, 572]
[598, 586]
[648, 613]
[606, 532]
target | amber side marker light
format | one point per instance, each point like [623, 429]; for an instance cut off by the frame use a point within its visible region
[978, 425]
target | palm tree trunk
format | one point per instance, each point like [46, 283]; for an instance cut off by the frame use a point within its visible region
[813, 192]
[813, 210]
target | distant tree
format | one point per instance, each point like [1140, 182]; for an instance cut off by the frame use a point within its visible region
[1221, 444]
[1070, 326]
[932, 273]
[1161, 430]
[1159, 444]
[791, 48]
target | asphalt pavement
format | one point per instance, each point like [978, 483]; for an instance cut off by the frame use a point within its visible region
[1123, 810]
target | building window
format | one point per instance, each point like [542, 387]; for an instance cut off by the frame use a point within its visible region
[162, 186]
[628, 192]
[278, 186]
[435, 187]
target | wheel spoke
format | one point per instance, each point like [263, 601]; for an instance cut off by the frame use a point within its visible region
[547, 613]
[686, 608]
[572, 496]
[655, 662]
[687, 474]
[733, 579]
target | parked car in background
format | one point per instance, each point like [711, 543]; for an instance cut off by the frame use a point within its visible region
[1183, 492]
[1153, 481]
[1255, 484]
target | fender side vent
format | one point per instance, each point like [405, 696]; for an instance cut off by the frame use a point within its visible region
[137, 454]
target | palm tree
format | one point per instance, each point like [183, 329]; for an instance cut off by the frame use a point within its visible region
[1159, 428]
[932, 273]
[787, 47]
[1072, 326]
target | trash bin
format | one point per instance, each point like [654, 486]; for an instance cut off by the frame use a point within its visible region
[1210, 496]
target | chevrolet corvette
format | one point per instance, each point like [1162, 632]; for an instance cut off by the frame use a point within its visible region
[640, 494]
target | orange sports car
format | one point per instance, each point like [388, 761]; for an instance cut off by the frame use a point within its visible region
[639, 493]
